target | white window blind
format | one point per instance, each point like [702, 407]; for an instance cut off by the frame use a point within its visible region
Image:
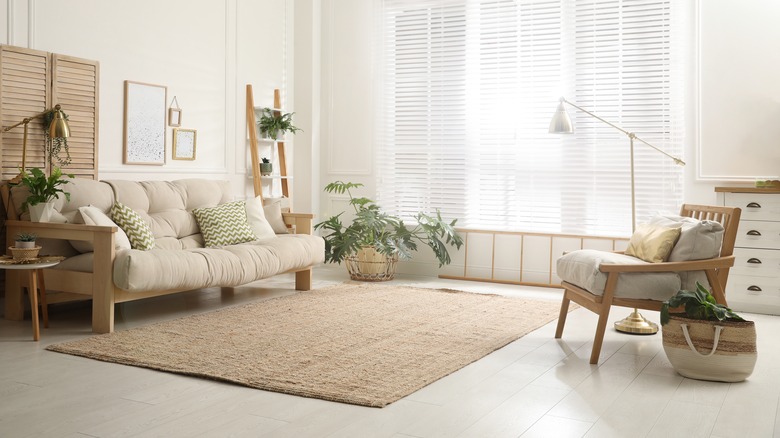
[467, 91]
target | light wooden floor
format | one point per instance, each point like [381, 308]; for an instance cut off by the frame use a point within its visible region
[534, 387]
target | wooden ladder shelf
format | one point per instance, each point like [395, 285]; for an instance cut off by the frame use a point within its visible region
[251, 124]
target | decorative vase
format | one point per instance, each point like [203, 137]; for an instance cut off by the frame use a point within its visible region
[723, 351]
[371, 265]
[266, 168]
[42, 212]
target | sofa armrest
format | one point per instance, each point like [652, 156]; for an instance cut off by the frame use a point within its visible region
[301, 222]
[50, 230]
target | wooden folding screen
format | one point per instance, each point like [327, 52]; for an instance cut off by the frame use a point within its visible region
[75, 88]
[32, 81]
[25, 90]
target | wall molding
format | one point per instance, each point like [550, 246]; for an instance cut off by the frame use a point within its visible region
[160, 170]
[30, 24]
[10, 21]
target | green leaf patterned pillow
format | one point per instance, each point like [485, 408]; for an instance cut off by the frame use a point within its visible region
[138, 231]
[224, 224]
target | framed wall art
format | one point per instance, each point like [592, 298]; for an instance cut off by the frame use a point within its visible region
[174, 114]
[144, 123]
[184, 144]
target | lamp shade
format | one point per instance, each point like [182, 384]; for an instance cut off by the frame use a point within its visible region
[561, 123]
[59, 125]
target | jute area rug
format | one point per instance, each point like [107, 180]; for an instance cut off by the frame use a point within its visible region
[363, 344]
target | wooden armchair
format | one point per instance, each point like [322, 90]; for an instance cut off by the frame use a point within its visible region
[716, 270]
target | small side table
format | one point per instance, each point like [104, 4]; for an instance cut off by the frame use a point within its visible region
[34, 269]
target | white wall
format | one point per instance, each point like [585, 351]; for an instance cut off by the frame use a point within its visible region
[204, 51]
[737, 130]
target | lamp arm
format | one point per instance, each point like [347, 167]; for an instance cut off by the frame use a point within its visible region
[676, 160]
[629, 134]
[30, 119]
[596, 117]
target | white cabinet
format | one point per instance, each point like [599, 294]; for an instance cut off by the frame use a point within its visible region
[754, 281]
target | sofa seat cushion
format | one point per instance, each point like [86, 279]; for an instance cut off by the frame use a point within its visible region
[163, 269]
[581, 268]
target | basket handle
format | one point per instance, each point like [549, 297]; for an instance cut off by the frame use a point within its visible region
[718, 329]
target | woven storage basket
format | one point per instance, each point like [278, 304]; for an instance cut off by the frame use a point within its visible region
[24, 253]
[711, 350]
[371, 265]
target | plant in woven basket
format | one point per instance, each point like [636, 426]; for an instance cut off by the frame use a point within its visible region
[709, 341]
[385, 233]
[699, 304]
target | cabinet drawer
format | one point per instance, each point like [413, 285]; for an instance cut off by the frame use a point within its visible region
[756, 262]
[753, 294]
[758, 234]
[755, 206]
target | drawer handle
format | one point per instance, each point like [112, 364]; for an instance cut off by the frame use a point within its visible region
[754, 289]
[754, 260]
[754, 205]
[753, 233]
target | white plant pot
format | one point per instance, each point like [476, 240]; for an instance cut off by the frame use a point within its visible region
[20, 244]
[42, 212]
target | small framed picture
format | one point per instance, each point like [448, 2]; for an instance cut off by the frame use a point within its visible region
[174, 117]
[184, 143]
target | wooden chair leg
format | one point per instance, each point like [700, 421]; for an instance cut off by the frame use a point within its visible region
[598, 340]
[562, 316]
[44, 305]
[601, 327]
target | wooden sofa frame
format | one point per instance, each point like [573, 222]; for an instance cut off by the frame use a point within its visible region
[99, 284]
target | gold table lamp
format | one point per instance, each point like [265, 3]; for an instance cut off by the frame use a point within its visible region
[58, 128]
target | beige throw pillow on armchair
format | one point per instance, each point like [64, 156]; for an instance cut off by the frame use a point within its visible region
[653, 243]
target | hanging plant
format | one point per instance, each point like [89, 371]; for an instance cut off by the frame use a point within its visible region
[53, 146]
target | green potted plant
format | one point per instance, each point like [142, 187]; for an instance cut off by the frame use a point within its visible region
[25, 240]
[374, 241]
[274, 124]
[266, 167]
[43, 190]
[708, 341]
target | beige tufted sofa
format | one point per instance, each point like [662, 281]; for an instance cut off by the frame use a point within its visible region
[179, 261]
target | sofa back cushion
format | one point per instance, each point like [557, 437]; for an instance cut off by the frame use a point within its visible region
[166, 206]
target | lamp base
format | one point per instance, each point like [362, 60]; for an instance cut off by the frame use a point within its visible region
[636, 324]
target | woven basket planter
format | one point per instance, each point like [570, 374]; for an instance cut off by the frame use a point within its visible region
[711, 350]
[20, 254]
[370, 265]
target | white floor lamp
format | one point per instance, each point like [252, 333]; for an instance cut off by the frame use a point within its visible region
[561, 124]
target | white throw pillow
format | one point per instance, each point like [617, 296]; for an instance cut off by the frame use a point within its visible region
[256, 218]
[273, 214]
[699, 240]
[93, 216]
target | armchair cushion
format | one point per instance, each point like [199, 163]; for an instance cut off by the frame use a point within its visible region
[581, 268]
[653, 243]
[699, 240]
